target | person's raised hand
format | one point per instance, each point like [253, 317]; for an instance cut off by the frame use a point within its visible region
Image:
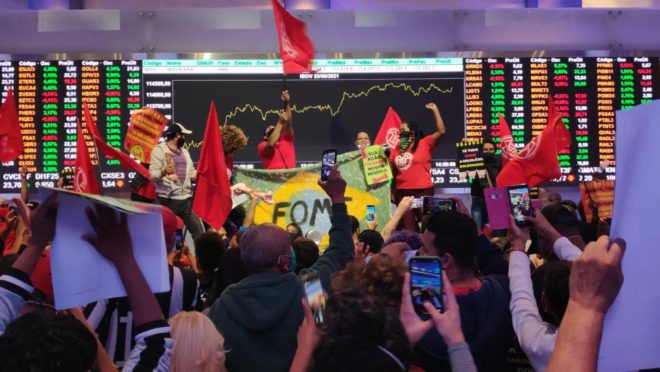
[460, 206]
[404, 205]
[415, 327]
[308, 333]
[285, 96]
[519, 235]
[596, 276]
[372, 225]
[112, 239]
[43, 220]
[431, 106]
[542, 226]
[335, 186]
[447, 323]
[284, 117]
[23, 172]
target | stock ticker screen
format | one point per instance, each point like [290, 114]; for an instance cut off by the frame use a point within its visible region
[329, 106]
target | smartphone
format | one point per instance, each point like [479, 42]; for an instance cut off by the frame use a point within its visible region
[417, 203]
[521, 203]
[327, 163]
[179, 240]
[314, 294]
[371, 213]
[425, 282]
[432, 204]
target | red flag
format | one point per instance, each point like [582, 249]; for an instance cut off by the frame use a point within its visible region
[111, 152]
[212, 201]
[84, 179]
[537, 162]
[506, 142]
[11, 140]
[389, 130]
[296, 49]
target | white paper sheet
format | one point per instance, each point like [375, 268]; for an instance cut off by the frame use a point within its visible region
[631, 337]
[80, 274]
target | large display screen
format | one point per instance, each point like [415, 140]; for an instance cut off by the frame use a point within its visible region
[329, 106]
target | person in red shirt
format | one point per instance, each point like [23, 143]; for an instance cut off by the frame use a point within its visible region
[277, 150]
[411, 160]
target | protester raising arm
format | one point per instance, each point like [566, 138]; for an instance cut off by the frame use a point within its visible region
[288, 124]
[24, 184]
[596, 279]
[113, 241]
[440, 129]
[562, 246]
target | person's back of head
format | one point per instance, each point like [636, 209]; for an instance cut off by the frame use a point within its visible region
[372, 240]
[42, 341]
[307, 252]
[359, 334]
[454, 234]
[413, 239]
[564, 219]
[355, 226]
[294, 230]
[266, 248]
[551, 289]
[209, 248]
[198, 346]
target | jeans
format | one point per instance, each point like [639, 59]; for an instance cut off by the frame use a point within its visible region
[183, 209]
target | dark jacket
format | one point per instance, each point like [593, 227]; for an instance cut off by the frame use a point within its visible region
[259, 316]
[485, 318]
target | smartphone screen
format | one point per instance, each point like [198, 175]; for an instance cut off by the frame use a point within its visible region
[425, 282]
[521, 203]
[417, 203]
[371, 213]
[179, 240]
[327, 162]
[432, 204]
[315, 297]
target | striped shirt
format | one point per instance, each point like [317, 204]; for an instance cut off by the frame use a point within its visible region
[113, 321]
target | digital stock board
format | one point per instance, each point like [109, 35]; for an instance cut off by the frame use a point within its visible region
[329, 106]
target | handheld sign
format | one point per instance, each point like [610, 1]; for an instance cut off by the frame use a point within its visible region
[142, 135]
[376, 167]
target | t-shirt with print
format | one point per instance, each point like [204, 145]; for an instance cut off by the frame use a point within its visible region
[414, 170]
[282, 156]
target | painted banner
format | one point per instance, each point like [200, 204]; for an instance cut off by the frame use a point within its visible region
[376, 165]
[143, 133]
[600, 193]
[298, 198]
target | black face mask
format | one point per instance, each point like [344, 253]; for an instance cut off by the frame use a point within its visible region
[489, 157]
[292, 236]
[180, 142]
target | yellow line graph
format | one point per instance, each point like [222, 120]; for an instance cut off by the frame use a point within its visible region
[264, 113]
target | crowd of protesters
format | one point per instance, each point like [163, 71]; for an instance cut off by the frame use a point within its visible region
[237, 303]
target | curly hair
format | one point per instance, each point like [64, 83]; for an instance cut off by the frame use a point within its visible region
[356, 330]
[233, 138]
[382, 277]
[41, 341]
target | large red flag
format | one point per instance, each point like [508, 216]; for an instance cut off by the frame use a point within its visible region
[537, 162]
[296, 49]
[389, 130]
[84, 179]
[11, 140]
[212, 201]
[109, 151]
[506, 141]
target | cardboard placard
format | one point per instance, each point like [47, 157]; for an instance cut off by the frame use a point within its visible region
[144, 132]
[470, 157]
[376, 166]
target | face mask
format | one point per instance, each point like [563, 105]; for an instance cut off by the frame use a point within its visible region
[292, 269]
[489, 157]
[180, 142]
[404, 139]
[292, 236]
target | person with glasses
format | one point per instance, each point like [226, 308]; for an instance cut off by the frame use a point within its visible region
[411, 160]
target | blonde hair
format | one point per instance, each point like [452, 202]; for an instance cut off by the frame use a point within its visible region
[198, 346]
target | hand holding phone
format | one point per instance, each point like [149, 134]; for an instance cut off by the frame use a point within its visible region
[328, 160]
[417, 203]
[432, 204]
[425, 282]
[371, 213]
[315, 296]
[521, 204]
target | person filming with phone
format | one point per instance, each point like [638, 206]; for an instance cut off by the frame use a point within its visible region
[260, 315]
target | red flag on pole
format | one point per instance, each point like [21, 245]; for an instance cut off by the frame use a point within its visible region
[296, 49]
[11, 140]
[84, 179]
[537, 162]
[212, 201]
[389, 130]
[109, 151]
[506, 141]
